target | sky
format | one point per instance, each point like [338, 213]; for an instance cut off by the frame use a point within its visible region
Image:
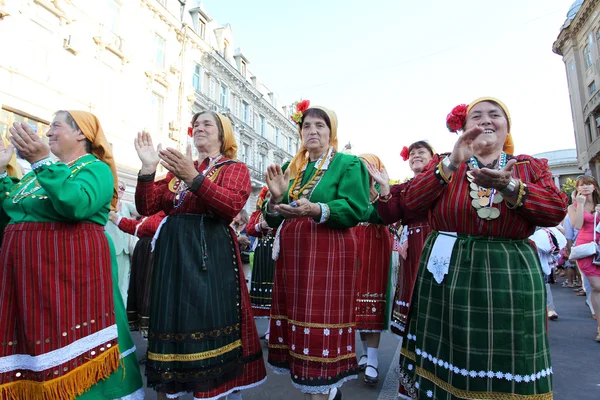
[393, 69]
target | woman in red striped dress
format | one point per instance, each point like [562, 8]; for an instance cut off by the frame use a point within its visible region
[392, 208]
[374, 252]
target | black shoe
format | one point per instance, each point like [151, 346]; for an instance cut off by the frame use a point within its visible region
[338, 395]
[371, 380]
[363, 366]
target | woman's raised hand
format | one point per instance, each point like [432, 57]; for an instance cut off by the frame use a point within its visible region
[6, 153]
[277, 181]
[146, 152]
[463, 148]
[379, 176]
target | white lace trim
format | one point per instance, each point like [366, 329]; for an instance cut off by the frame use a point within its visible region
[250, 386]
[279, 370]
[128, 352]
[60, 356]
[175, 395]
[478, 374]
[137, 395]
[370, 330]
[324, 389]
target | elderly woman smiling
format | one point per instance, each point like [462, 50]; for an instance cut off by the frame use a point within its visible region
[315, 200]
[202, 338]
[66, 329]
[477, 325]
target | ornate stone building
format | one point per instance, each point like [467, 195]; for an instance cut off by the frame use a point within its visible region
[138, 65]
[579, 45]
[563, 165]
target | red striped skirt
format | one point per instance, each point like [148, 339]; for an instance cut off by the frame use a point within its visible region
[312, 314]
[374, 252]
[407, 275]
[58, 330]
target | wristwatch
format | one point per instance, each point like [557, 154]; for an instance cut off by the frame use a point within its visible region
[448, 164]
[510, 188]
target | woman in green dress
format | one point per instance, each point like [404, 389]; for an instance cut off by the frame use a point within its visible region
[63, 319]
[315, 200]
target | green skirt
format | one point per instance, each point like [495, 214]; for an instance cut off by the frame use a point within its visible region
[127, 380]
[481, 333]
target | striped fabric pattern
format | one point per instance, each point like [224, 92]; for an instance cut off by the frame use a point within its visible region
[56, 306]
[263, 269]
[374, 252]
[313, 314]
[481, 333]
[450, 207]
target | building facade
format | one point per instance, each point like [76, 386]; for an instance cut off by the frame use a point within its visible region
[138, 65]
[563, 165]
[579, 45]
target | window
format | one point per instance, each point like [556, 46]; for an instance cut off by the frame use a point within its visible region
[245, 112]
[224, 96]
[243, 69]
[212, 90]
[201, 28]
[159, 52]
[196, 79]
[587, 55]
[597, 119]
[246, 153]
[262, 163]
[113, 10]
[592, 88]
[7, 118]
[261, 125]
[157, 109]
[277, 137]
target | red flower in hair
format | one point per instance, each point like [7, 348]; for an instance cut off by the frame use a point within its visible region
[455, 121]
[190, 131]
[404, 153]
[263, 193]
[303, 106]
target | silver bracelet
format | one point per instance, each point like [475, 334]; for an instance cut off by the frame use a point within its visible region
[446, 162]
[510, 188]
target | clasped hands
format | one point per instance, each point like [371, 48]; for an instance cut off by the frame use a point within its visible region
[28, 143]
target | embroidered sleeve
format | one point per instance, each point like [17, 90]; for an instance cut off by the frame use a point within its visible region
[79, 193]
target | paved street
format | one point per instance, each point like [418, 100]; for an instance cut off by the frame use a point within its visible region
[575, 357]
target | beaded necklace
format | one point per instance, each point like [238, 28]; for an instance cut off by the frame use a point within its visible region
[484, 198]
[296, 191]
[181, 188]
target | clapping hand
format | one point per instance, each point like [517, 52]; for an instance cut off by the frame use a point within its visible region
[182, 166]
[146, 152]
[493, 178]
[301, 208]
[6, 153]
[30, 146]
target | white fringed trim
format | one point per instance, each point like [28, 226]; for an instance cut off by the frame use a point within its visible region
[137, 395]
[250, 386]
[128, 352]
[370, 330]
[325, 388]
[56, 357]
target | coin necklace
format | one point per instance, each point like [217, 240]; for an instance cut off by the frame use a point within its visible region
[483, 199]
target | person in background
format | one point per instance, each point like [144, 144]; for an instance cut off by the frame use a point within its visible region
[122, 240]
[142, 265]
